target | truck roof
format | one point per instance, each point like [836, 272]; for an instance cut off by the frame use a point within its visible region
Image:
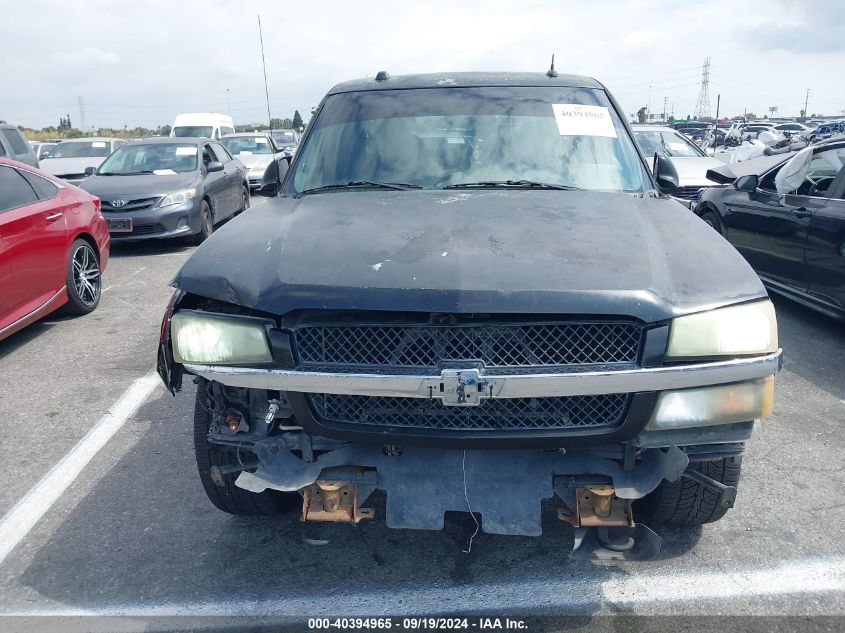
[464, 80]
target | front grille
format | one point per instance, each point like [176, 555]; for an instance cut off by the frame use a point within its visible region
[72, 176]
[687, 193]
[499, 347]
[131, 205]
[564, 413]
[145, 229]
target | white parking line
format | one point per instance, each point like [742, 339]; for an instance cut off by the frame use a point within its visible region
[646, 592]
[28, 511]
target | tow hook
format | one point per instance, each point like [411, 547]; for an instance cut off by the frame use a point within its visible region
[333, 500]
[218, 473]
[727, 494]
[605, 528]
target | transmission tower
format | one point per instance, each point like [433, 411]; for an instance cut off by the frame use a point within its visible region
[702, 106]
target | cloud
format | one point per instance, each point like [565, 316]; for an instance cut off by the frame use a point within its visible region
[86, 58]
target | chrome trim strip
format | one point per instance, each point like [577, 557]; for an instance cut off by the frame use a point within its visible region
[36, 314]
[511, 386]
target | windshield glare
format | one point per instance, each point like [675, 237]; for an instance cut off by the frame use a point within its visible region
[247, 145]
[666, 144]
[81, 149]
[193, 131]
[159, 157]
[434, 138]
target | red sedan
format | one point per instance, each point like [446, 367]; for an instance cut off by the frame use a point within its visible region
[54, 246]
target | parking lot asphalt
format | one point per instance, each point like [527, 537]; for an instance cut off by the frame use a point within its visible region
[133, 533]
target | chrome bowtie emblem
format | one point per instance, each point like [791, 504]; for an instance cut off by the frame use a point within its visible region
[461, 387]
[118, 203]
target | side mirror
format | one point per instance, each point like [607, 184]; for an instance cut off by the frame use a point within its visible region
[710, 151]
[90, 171]
[665, 174]
[214, 166]
[747, 183]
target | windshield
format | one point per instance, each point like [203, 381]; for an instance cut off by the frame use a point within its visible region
[158, 158]
[247, 145]
[284, 137]
[81, 149]
[434, 138]
[666, 144]
[193, 130]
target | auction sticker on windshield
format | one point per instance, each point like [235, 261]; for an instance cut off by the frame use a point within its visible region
[574, 119]
[186, 151]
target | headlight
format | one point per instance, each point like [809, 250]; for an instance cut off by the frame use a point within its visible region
[706, 406]
[178, 197]
[749, 328]
[209, 339]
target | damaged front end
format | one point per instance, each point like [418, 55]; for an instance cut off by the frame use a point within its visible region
[330, 409]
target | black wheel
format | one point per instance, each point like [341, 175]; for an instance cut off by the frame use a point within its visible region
[206, 224]
[687, 502]
[228, 497]
[84, 281]
[711, 218]
[244, 200]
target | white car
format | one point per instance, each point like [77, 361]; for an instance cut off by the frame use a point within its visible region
[259, 153]
[794, 129]
[202, 124]
[69, 159]
[690, 161]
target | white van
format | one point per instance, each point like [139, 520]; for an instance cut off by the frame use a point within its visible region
[207, 124]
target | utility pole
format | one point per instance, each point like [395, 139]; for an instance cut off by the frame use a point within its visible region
[648, 109]
[264, 65]
[718, 103]
[83, 121]
[228, 103]
[665, 101]
[806, 101]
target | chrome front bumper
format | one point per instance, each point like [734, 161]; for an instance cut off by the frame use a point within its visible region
[495, 386]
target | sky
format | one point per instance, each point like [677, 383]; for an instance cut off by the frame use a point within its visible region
[142, 63]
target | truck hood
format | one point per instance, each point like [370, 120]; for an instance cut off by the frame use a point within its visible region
[139, 185]
[64, 166]
[553, 252]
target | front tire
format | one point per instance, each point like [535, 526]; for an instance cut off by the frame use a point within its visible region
[84, 279]
[206, 224]
[244, 200]
[686, 501]
[712, 220]
[228, 497]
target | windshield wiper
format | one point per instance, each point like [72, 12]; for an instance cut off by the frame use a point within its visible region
[127, 173]
[513, 184]
[363, 184]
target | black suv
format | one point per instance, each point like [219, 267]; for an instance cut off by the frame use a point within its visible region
[473, 295]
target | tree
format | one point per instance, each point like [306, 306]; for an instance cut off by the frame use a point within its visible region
[671, 119]
[297, 120]
[641, 114]
[750, 116]
[803, 113]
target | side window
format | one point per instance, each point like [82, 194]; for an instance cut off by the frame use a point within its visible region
[2, 149]
[43, 187]
[19, 145]
[207, 155]
[222, 154]
[14, 190]
[768, 181]
[227, 130]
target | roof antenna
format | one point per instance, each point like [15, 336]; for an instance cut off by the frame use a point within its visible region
[551, 72]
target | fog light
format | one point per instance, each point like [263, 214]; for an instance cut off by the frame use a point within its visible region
[706, 406]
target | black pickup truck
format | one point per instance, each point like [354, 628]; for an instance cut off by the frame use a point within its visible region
[473, 294]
